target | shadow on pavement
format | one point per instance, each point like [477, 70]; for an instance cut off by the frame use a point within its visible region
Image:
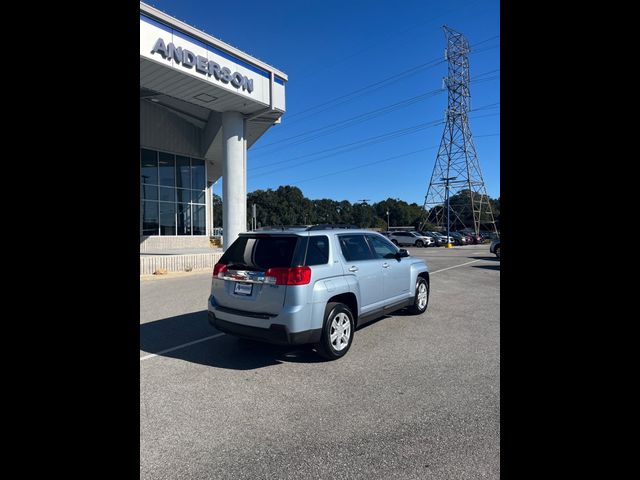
[493, 257]
[222, 352]
[487, 267]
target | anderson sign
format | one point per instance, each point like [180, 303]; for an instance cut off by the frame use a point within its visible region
[189, 59]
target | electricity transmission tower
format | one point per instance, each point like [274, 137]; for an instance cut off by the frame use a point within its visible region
[456, 172]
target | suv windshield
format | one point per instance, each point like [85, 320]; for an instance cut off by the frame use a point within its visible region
[260, 252]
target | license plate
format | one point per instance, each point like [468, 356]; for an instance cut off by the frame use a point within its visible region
[243, 288]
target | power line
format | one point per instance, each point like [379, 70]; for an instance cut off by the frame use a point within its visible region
[362, 117]
[352, 146]
[319, 131]
[356, 145]
[411, 71]
[379, 84]
[333, 127]
[484, 41]
[364, 165]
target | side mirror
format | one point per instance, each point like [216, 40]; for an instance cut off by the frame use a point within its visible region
[402, 253]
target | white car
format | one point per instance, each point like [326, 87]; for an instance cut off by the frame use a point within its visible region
[409, 238]
[428, 241]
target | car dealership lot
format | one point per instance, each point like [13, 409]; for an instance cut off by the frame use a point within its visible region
[416, 397]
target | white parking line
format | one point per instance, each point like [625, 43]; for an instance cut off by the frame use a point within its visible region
[455, 266]
[146, 357]
[181, 346]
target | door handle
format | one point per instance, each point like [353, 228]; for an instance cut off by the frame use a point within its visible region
[353, 269]
[385, 265]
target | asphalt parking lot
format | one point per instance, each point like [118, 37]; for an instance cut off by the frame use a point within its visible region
[416, 397]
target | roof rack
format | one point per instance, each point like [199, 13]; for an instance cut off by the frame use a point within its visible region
[331, 226]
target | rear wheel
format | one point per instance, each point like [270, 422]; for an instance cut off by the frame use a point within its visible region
[421, 299]
[395, 242]
[337, 331]
[498, 251]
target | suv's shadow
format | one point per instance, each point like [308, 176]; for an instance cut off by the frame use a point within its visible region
[225, 351]
[222, 352]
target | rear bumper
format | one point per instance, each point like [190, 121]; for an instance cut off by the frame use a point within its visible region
[277, 334]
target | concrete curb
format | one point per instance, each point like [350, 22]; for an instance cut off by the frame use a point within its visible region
[178, 263]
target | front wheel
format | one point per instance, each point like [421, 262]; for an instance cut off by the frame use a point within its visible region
[419, 244]
[337, 331]
[498, 252]
[421, 300]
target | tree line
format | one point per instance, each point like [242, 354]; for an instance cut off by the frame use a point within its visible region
[287, 205]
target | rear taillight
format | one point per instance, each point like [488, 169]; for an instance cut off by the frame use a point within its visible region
[219, 268]
[289, 276]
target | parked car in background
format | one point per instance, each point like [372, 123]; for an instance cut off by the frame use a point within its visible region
[459, 238]
[428, 241]
[495, 247]
[313, 286]
[475, 239]
[442, 239]
[408, 238]
[488, 235]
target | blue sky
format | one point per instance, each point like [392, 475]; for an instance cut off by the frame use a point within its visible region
[332, 48]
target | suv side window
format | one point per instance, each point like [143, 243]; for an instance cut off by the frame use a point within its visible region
[383, 248]
[317, 251]
[355, 247]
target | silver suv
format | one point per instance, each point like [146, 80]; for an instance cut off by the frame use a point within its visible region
[313, 286]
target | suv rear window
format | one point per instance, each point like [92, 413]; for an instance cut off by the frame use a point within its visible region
[260, 252]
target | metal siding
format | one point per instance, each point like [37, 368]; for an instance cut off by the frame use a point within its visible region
[163, 130]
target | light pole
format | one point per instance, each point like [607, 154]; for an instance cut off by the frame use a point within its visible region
[446, 186]
[388, 226]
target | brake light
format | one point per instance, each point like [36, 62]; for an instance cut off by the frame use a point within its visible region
[290, 276]
[219, 268]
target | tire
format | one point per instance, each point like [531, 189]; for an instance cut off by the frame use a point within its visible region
[339, 319]
[421, 299]
[498, 252]
[395, 242]
[420, 243]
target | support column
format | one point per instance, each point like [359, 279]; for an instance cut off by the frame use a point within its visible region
[234, 193]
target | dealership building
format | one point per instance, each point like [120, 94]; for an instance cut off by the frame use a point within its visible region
[203, 103]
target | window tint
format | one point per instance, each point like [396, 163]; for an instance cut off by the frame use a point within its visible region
[198, 181]
[149, 192]
[177, 180]
[184, 219]
[150, 218]
[183, 179]
[198, 196]
[354, 248]
[382, 247]
[167, 169]
[317, 251]
[199, 219]
[167, 218]
[148, 166]
[260, 253]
